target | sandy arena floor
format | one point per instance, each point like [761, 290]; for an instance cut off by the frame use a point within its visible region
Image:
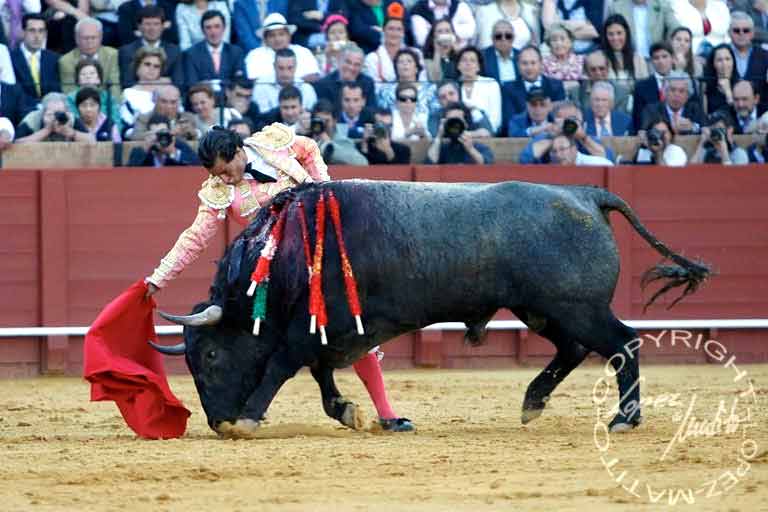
[61, 452]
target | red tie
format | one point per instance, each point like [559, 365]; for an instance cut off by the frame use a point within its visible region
[216, 56]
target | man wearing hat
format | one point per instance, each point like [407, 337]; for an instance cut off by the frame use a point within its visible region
[248, 17]
[276, 34]
[536, 118]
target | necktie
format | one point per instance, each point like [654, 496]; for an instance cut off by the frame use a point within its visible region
[604, 129]
[14, 23]
[34, 70]
[216, 56]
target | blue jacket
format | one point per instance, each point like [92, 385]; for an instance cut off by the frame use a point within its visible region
[198, 64]
[621, 124]
[513, 97]
[246, 20]
[491, 64]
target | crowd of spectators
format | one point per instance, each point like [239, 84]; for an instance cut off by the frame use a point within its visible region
[367, 77]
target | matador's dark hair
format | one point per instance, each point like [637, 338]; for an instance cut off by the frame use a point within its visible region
[218, 142]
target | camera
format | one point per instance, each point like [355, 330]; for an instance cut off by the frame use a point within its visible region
[316, 126]
[454, 127]
[655, 137]
[61, 117]
[717, 134]
[570, 126]
[445, 38]
[164, 138]
[380, 131]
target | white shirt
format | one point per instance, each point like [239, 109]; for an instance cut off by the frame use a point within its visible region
[399, 129]
[6, 66]
[265, 95]
[506, 67]
[582, 159]
[463, 22]
[260, 63]
[717, 13]
[485, 95]
[640, 15]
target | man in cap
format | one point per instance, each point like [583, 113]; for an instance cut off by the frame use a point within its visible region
[536, 118]
[276, 34]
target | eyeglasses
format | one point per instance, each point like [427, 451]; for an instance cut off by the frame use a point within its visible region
[598, 68]
[740, 30]
[411, 99]
[509, 36]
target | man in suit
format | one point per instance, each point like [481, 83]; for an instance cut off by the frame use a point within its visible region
[128, 17]
[500, 57]
[536, 119]
[353, 113]
[651, 90]
[746, 110]
[88, 33]
[277, 35]
[350, 70]
[656, 17]
[601, 119]
[248, 20]
[513, 93]
[758, 11]
[213, 59]
[680, 107]
[751, 61]
[30, 55]
[150, 22]
[596, 69]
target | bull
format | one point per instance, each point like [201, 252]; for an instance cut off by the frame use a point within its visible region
[422, 253]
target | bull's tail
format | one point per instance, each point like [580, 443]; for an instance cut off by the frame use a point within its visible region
[684, 272]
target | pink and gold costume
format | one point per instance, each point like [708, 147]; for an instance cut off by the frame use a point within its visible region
[297, 160]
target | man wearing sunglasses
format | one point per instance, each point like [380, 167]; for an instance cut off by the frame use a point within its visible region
[499, 58]
[751, 61]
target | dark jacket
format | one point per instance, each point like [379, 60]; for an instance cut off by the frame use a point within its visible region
[49, 73]
[14, 104]
[646, 93]
[491, 63]
[621, 124]
[513, 97]
[185, 156]
[330, 89]
[306, 27]
[198, 64]
[377, 157]
[126, 15]
[692, 110]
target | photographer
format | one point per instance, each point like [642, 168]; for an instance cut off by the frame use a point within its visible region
[758, 150]
[161, 148]
[377, 144]
[53, 124]
[453, 144]
[657, 147]
[716, 144]
[565, 152]
[335, 146]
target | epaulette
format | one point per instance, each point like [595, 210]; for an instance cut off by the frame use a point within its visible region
[217, 195]
[274, 137]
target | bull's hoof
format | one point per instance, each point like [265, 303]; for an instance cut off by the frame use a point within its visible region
[352, 416]
[243, 428]
[622, 423]
[532, 409]
[529, 415]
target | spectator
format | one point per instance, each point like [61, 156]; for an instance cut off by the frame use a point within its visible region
[651, 90]
[708, 21]
[408, 69]
[649, 20]
[14, 104]
[106, 12]
[536, 119]
[684, 59]
[380, 64]
[277, 35]
[138, 99]
[522, 16]
[151, 23]
[249, 16]
[564, 151]
[758, 11]
[596, 70]
[478, 91]
[53, 123]
[289, 111]
[448, 93]
[190, 17]
[407, 122]
[513, 93]
[308, 16]
[161, 148]
[88, 34]
[453, 144]
[207, 115]
[425, 12]
[36, 69]
[350, 67]
[353, 115]
[334, 145]
[91, 120]
[63, 15]
[716, 145]
[239, 96]
[242, 127]
[581, 17]
[720, 76]
[569, 121]
[657, 147]
[212, 60]
[679, 108]
[440, 51]
[336, 37]
[562, 64]
[265, 93]
[365, 22]
[758, 150]
[626, 65]
[168, 104]
[88, 73]
[751, 61]
[601, 119]
[500, 57]
[129, 16]
[377, 144]
[11, 20]
[746, 107]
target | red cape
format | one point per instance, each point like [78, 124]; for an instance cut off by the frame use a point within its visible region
[121, 366]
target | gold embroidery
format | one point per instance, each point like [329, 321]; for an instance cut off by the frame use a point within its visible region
[216, 194]
[273, 137]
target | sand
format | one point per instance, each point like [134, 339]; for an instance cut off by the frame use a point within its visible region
[61, 452]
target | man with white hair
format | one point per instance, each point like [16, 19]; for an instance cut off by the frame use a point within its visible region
[88, 37]
[350, 70]
[601, 119]
[683, 112]
[751, 61]
[276, 34]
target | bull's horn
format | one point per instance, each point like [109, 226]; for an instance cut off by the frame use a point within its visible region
[170, 350]
[211, 316]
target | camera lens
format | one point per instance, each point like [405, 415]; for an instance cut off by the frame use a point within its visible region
[454, 127]
[570, 126]
[316, 126]
[61, 117]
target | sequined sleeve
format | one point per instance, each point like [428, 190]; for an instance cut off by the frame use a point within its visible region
[311, 159]
[193, 241]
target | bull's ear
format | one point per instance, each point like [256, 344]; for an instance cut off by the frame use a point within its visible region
[170, 350]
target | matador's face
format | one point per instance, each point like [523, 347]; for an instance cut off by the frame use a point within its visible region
[230, 172]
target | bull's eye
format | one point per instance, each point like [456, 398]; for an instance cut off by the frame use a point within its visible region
[211, 355]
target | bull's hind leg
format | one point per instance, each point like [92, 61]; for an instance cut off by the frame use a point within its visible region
[337, 407]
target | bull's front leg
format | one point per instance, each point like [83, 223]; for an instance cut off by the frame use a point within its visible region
[336, 406]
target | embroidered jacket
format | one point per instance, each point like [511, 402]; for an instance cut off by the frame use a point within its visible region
[296, 159]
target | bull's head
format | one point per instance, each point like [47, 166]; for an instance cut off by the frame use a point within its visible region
[226, 361]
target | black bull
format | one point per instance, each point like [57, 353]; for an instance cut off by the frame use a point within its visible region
[423, 253]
